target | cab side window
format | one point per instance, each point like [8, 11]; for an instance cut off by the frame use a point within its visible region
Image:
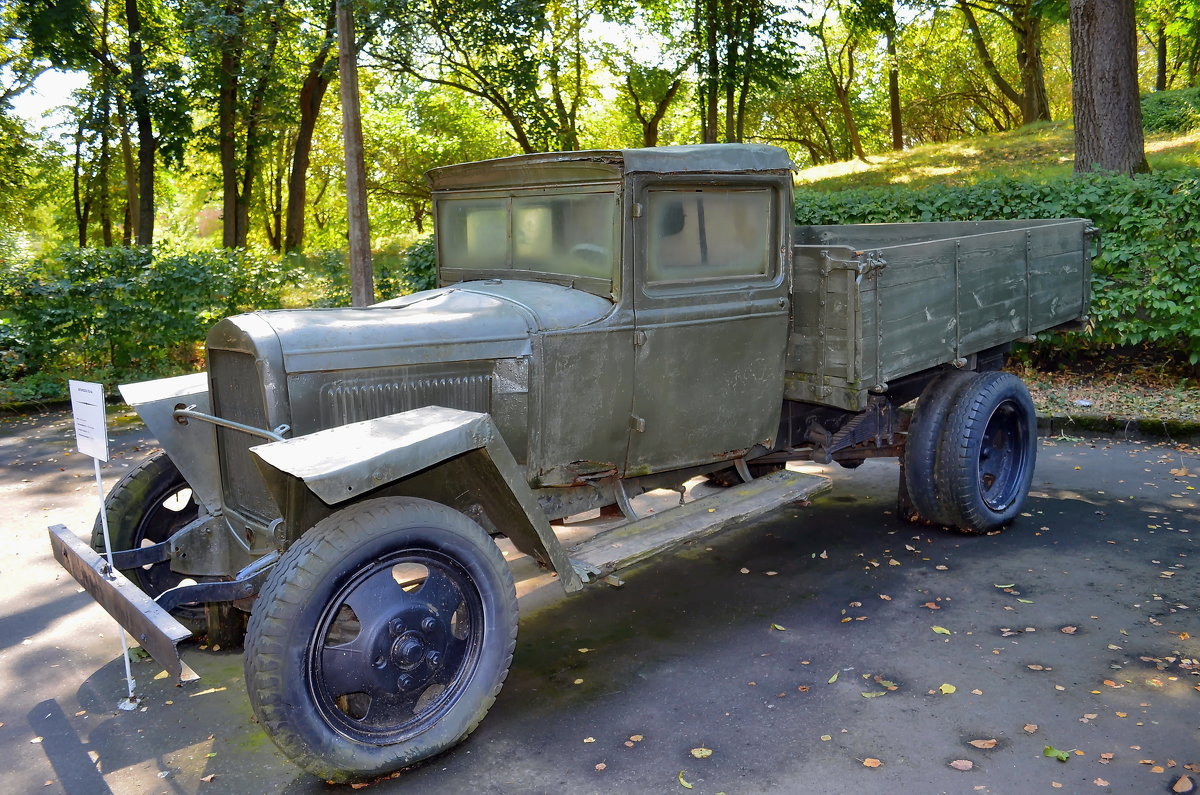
[708, 233]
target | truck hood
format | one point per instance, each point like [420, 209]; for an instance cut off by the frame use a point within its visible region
[492, 319]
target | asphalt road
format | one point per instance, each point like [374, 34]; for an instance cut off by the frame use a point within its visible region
[1075, 628]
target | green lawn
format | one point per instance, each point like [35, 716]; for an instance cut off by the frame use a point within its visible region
[1041, 150]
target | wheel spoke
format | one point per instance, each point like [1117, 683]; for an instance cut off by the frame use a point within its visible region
[442, 593]
[375, 600]
[347, 669]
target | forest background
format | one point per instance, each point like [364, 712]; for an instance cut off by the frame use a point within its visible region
[198, 168]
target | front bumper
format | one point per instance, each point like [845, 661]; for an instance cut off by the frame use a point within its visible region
[150, 625]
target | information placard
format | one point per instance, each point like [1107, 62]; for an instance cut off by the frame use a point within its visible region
[87, 405]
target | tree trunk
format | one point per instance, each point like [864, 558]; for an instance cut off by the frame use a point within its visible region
[1160, 50]
[1035, 105]
[139, 98]
[362, 288]
[1108, 115]
[79, 188]
[894, 93]
[131, 177]
[311, 94]
[227, 97]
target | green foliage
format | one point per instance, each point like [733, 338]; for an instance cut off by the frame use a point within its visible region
[119, 313]
[1171, 111]
[1146, 281]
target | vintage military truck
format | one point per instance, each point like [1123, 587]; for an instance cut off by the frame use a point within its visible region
[608, 322]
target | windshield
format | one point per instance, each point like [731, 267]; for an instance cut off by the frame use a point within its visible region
[569, 234]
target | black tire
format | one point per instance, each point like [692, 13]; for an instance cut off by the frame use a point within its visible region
[987, 454]
[340, 658]
[724, 478]
[147, 506]
[924, 435]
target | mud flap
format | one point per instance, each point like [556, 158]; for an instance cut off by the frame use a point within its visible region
[154, 628]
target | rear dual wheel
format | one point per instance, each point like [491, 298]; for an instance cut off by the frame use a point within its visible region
[381, 637]
[971, 450]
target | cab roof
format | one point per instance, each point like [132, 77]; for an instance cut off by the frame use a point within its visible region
[604, 165]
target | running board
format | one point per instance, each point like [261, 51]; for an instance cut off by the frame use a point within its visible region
[623, 546]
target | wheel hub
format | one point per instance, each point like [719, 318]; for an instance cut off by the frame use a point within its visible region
[409, 650]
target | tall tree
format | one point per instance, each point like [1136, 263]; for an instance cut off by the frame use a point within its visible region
[1108, 114]
[319, 73]
[738, 47]
[237, 43]
[1024, 19]
[75, 34]
[840, 45]
[525, 58]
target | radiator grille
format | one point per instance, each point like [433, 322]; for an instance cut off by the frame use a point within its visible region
[465, 386]
[237, 395]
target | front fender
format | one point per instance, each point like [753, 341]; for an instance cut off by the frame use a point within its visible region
[192, 446]
[454, 457]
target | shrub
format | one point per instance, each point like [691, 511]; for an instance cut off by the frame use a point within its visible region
[1145, 283]
[1176, 111]
[123, 312]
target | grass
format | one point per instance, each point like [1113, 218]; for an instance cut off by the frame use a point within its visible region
[1045, 150]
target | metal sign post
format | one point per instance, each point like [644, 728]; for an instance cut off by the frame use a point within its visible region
[91, 437]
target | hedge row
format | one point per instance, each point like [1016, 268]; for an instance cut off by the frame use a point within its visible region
[1146, 282]
[120, 314]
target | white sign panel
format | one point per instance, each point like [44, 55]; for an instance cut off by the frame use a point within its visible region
[87, 404]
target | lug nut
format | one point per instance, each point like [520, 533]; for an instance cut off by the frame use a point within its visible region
[429, 624]
[405, 682]
[434, 658]
[396, 626]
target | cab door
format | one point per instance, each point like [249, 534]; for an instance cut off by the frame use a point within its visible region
[710, 318]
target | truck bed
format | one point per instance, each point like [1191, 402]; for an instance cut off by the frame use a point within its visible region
[875, 302]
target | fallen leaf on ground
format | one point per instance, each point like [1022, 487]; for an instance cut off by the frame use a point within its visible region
[1010, 585]
[682, 783]
[941, 630]
[977, 692]
[885, 597]
[208, 779]
[983, 743]
[932, 606]
[1105, 758]
[1036, 667]
[874, 694]
[1099, 782]
[942, 568]
[637, 738]
[833, 678]
[826, 738]
[601, 766]
[702, 752]
[962, 764]
[778, 628]
[1054, 753]
[1069, 630]
[1030, 728]
[1183, 785]
[947, 689]
[871, 761]
[589, 739]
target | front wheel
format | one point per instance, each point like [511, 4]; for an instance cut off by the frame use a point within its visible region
[381, 637]
[148, 505]
[987, 452]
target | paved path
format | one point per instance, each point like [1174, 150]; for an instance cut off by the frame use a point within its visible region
[685, 656]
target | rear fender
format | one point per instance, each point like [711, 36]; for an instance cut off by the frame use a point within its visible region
[456, 458]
